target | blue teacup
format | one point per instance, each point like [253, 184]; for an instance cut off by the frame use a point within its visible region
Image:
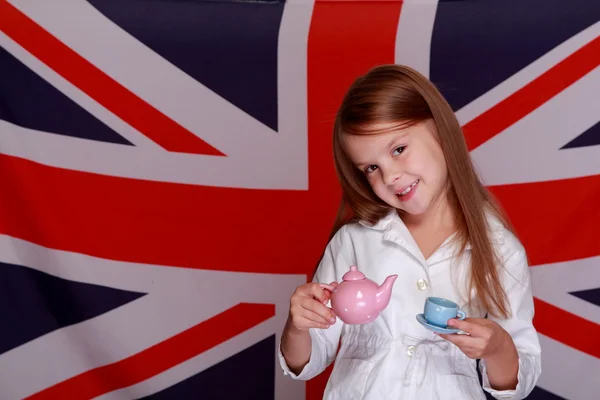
[438, 311]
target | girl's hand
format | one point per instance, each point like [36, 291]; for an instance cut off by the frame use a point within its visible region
[489, 341]
[308, 309]
[485, 339]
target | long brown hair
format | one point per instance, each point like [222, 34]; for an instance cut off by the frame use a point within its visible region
[400, 96]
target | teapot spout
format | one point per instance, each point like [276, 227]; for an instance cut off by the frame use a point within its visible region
[384, 292]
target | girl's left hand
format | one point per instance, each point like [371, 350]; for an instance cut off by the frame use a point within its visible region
[485, 338]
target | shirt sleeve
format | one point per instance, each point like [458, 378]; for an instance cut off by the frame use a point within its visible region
[336, 258]
[516, 279]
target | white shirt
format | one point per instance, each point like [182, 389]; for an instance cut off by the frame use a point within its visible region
[394, 357]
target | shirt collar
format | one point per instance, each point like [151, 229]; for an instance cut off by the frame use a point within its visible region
[395, 229]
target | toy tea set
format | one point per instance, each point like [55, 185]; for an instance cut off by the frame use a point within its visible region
[359, 300]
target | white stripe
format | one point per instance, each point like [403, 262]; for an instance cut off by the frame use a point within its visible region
[528, 151]
[144, 72]
[144, 278]
[285, 388]
[178, 299]
[79, 97]
[413, 36]
[527, 74]
[64, 353]
[567, 372]
[253, 149]
[83, 268]
[552, 283]
[292, 81]
[133, 162]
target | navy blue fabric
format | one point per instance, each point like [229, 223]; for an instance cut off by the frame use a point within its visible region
[591, 137]
[250, 374]
[36, 303]
[230, 47]
[478, 44]
[29, 101]
[590, 295]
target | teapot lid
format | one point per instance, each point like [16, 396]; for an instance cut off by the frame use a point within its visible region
[353, 275]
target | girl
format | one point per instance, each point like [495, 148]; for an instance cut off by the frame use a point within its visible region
[419, 211]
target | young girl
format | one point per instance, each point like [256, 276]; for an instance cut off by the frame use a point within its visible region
[419, 211]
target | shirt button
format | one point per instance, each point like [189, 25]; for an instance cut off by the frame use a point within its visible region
[410, 350]
[422, 284]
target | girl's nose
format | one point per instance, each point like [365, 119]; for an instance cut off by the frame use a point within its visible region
[390, 176]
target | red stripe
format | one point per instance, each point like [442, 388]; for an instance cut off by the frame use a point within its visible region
[555, 227]
[533, 95]
[345, 40]
[162, 356]
[567, 328]
[105, 90]
[162, 223]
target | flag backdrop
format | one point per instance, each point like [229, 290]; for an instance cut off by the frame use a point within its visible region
[166, 178]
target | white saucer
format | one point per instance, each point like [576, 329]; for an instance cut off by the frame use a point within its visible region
[433, 328]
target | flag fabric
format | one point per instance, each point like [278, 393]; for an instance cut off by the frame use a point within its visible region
[167, 178]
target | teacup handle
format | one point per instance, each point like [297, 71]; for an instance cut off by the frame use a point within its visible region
[461, 315]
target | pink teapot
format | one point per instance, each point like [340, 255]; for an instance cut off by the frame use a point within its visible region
[359, 300]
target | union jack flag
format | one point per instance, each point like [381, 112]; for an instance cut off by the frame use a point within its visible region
[164, 163]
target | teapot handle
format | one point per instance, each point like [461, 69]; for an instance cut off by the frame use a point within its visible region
[328, 287]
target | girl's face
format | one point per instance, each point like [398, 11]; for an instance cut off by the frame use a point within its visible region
[406, 168]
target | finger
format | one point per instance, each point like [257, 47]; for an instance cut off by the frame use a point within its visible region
[468, 325]
[319, 309]
[302, 323]
[310, 290]
[472, 348]
[328, 294]
[462, 341]
[470, 352]
[316, 318]
[319, 293]
[299, 313]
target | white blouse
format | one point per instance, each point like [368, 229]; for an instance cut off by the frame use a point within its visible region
[394, 357]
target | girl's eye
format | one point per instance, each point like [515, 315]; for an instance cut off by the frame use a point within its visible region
[398, 150]
[370, 169]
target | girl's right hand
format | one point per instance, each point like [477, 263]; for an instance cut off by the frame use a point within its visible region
[308, 309]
